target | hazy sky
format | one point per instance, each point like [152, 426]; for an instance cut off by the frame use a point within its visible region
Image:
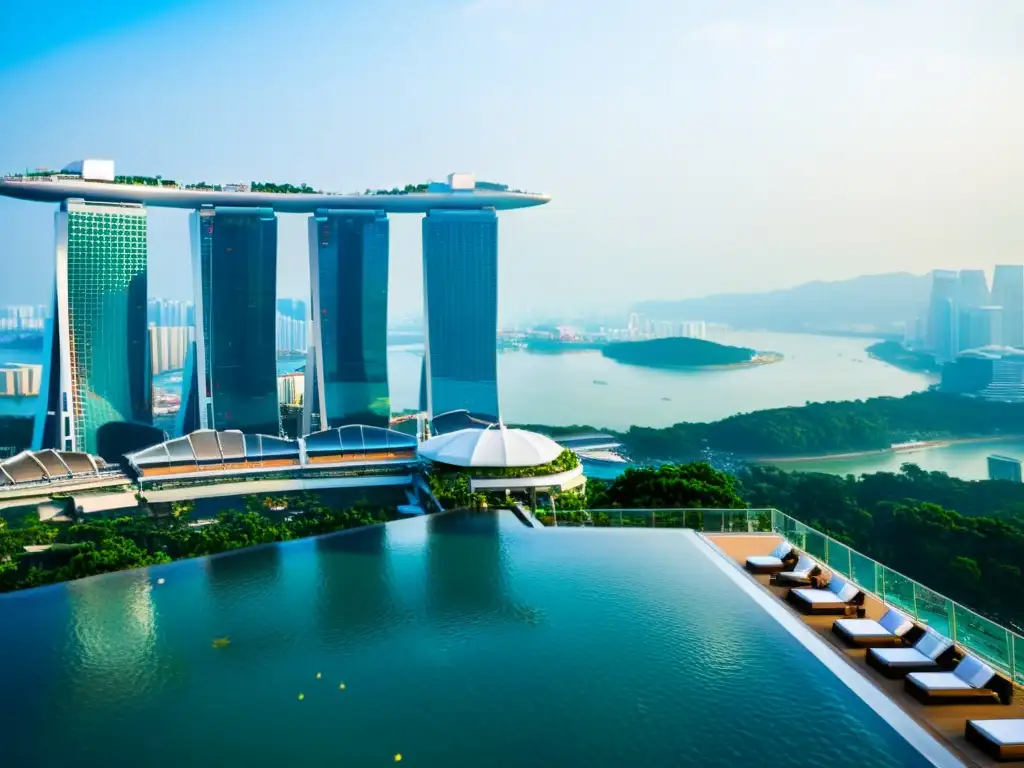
[690, 147]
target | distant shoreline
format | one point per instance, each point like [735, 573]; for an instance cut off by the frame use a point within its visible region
[884, 451]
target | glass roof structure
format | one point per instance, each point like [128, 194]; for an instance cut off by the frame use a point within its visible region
[48, 466]
[208, 446]
[357, 438]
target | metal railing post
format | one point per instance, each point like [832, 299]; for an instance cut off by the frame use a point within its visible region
[950, 617]
[1013, 657]
[849, 566]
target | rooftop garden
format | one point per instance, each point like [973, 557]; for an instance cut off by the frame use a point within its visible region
[256, 186]
[564, 462]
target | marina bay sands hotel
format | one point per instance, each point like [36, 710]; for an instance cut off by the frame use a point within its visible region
[99, 381]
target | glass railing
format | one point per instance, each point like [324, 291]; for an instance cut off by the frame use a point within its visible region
[710, 520]
[1001, 648]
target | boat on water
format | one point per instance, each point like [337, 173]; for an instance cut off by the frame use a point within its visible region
[599, 381]
[667, 399]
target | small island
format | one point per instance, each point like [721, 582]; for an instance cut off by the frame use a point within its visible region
[683, 353]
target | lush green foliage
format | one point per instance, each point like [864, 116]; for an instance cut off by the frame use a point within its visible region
[102, 546]
[822, 428]
[408, 189]
[565, 461]
[281, 189]
[962, 538]
[676, 353]
[697, 486]
[452, 490]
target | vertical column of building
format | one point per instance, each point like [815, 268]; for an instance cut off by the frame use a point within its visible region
[234, 255]
[1008, 293]
[98, 341]
[460, 287]
[348, 261]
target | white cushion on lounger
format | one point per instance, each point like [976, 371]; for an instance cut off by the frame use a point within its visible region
[900, 657]
[1003, 732]
[764, 561]
[847, 593]
[863, 628]
[782, 550]
[804, 566]
[932, 645]
[815, 596]
[940, 681]
[974, 672]
[896, 623]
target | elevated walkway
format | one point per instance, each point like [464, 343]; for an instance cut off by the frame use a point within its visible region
[273, 486]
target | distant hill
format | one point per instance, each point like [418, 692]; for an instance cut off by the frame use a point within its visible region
[676, 353]
[868, 303]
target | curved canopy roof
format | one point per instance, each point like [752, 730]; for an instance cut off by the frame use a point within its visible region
[359, 439]
[35, 466]
[207, 446]
[495, 446]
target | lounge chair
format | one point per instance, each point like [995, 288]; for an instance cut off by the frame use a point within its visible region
[973, 681]
[1002, 740]
[931, 653]
[801, 574]
[780, 557]
[835, 598]
[892, 630]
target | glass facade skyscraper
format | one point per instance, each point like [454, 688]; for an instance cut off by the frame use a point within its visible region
[348, 266]
[460, 286]
[98, 340]
[1008, 293]
[234, 255]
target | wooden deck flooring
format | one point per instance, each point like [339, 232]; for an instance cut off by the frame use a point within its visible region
[945, 722]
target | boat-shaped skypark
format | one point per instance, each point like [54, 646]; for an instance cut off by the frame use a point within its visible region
[97, 345]
[95, 181]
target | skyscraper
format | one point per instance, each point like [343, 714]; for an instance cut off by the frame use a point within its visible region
[97, 342]
[972, 289]
[460, 287]
[971, 295]
[943, 331]
[981, 327]
[234, 255]
[1008, 293]
[348, 267]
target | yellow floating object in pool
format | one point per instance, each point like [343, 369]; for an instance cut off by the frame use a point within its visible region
[302, 696]
[341, 687]
[318, 675]
[398, 758]
[220, 642]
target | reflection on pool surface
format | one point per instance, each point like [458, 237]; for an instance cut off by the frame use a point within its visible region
[460, 640]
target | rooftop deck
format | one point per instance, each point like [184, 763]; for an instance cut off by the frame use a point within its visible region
[55, 190]
[945, 722]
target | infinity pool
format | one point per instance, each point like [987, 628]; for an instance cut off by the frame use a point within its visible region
[458, 640]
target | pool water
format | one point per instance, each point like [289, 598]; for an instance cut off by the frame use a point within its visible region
[459, 640]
